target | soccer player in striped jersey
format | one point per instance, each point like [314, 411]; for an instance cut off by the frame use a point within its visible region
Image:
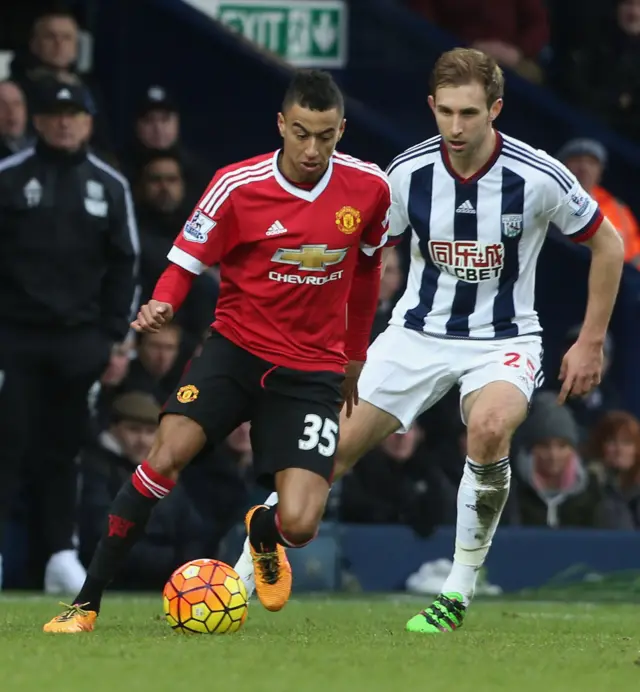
[296, 233]
[477, 204]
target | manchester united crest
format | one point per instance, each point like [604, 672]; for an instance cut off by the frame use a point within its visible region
[348, 220]
[187, 394]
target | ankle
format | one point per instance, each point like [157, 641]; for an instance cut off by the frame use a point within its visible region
[150, 483]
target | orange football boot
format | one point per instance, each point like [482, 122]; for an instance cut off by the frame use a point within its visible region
[74, 619]
[272, 571]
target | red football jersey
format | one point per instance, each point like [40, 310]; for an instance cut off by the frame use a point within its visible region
[287, 254]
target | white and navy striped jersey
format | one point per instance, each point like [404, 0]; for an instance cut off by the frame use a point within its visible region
[475, 242]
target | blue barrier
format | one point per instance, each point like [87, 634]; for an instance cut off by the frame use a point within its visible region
[381, 558]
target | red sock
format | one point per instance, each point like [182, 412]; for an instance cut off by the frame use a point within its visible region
[150, 483]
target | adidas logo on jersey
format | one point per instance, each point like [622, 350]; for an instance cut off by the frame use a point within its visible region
[466, 208]
[276, 228]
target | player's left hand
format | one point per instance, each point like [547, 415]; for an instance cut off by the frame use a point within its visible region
[350, 385]
[581, 369]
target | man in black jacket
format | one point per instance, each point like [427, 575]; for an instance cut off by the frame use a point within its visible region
[68, 264]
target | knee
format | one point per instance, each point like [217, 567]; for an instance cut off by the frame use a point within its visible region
[489, 434]
[298, 525]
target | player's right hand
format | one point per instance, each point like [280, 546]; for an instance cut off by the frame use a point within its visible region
[350, 385]
[152, 316]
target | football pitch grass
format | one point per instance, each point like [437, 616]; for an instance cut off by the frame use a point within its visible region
[325, 645]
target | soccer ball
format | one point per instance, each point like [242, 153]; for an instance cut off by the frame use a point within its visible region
[205, 597]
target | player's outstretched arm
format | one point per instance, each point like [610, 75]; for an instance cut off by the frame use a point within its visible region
[581, 368]
[169, 294]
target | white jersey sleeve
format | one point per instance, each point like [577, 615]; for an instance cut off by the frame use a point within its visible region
[569, 206]
[398, 216]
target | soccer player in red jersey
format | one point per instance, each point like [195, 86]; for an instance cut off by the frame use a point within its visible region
[297, 235]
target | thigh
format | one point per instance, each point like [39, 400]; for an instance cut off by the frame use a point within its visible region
[516, 362]
[218, 389]
[296, 424]
[359, 434]
[406, 373]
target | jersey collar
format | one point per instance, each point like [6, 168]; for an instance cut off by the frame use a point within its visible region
[481, 171]
[307, 195]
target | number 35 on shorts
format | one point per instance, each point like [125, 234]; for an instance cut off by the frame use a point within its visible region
[320, 433]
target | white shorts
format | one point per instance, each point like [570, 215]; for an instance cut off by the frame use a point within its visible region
[407, 372]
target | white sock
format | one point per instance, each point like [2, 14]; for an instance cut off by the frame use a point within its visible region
[483, 492]
[271, 500]
[244, 566]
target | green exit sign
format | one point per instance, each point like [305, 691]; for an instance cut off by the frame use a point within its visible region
[305, 33]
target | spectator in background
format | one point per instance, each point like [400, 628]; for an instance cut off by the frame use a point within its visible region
[162, 210]
[13, 120]
[587, 159]
[390, 283]
[514, 32]
[602, 75]
[68, 257]
[398, 484]
[108, 386]
[614, 451]
[52, 56]
[218, 485]
[173, 535]
[157, 131]
[155, 369]
[605, 397]
[118, 368]
[553, 486]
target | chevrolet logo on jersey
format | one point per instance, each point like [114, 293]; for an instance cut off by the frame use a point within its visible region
[311, 258]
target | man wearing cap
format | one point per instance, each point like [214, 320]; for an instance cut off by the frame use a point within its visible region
[157, 131]
[68, 263]
[587, 159]
[174, 534]
[553, 487]
[53, 54]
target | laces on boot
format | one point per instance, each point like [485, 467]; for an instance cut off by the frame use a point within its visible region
[71, 611]
[269, 566]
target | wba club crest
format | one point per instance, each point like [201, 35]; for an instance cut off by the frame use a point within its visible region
[511, 225]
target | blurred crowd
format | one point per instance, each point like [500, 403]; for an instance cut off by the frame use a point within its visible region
[588, 52]
[575, 466]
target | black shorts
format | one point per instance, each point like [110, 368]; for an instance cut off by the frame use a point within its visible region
[294, 414]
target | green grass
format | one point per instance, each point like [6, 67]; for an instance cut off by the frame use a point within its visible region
[326, 645]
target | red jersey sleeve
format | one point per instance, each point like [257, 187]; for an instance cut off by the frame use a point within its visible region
[210, 232]
[173, 286]
[362, 304]
[375, 234]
